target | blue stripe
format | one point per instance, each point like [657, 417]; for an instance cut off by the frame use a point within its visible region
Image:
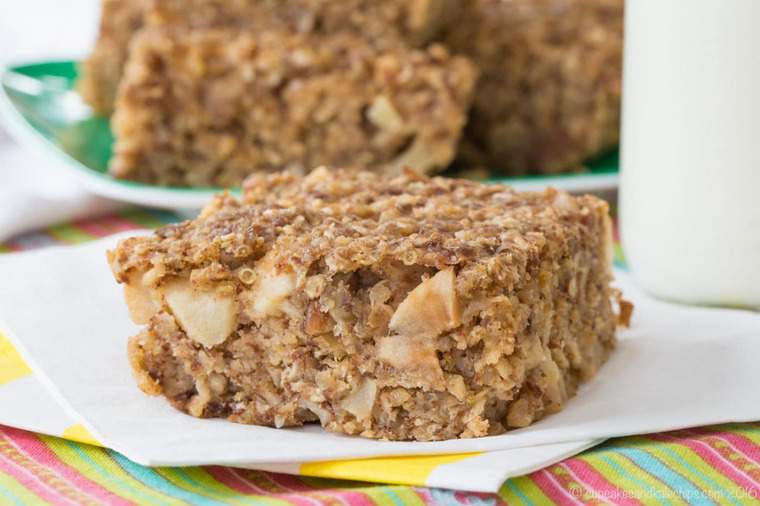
[395, 498]
[157, 482]
[725, 493]
[511, 485]
[653, 492]
[11, 496]
[182, 474]
[655, 467]
[108, 476]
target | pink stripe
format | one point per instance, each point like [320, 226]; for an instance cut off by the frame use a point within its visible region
[296, 484]
[552, 488]
[282, 482]
[31, 482]
[587, 475]
[106, 226]
[742, 445]
[474, 498]
[35, 449]
[714, 459]
[231, 478]
[347, 497]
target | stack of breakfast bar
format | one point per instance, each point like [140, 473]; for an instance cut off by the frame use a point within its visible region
[347, 286]
[205, 92]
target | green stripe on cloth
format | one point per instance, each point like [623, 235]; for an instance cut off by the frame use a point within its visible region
[14, 492]
[69, 234]
[149, 218]
[98, 465]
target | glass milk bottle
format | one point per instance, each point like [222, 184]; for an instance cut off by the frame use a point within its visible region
[690, 183]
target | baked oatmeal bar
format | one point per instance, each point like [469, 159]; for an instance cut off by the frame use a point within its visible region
[549, 94]
[401, 308]
[101, 71]
[208, 107]
[386, 24]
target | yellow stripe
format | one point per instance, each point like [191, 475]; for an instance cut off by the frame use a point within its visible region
[523, 490]
[12, 366]
[640, 475]
[399, 470]
[12, 490]
[666, 452]
[747, 431]
[80, 434]
[100, 468]
[207, 486]
[407, 496]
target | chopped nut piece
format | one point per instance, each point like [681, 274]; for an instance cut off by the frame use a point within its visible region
[626, 311]
[520, 413]
[316, 321]
[207, 317]
[457, 388]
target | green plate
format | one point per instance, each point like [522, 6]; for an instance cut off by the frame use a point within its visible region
[40, 108]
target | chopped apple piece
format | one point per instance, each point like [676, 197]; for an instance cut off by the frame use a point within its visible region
[361, 401]
[269, 290]
[430, 308]
[142, 300]
[207, 317]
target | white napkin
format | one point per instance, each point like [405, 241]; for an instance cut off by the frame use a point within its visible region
[26, 404]
[677, 367]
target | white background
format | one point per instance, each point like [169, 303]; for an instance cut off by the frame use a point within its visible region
[42, 29]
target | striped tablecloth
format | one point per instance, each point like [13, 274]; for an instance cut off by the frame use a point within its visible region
[711, 465]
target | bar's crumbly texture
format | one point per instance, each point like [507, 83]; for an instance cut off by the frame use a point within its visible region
[405, 308]
[101, 71]
[549, 94]
[386, 24]
[208, 107]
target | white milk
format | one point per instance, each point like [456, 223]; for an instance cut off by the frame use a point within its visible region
[690, 187]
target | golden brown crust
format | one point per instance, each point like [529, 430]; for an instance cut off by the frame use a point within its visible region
[405, 308]
[387, 24]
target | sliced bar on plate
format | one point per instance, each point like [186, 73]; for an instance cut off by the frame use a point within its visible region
[208, 107]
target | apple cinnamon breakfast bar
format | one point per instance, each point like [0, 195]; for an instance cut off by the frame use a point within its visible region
[385, 24]
[549, 94]
[101, 71]
[401, 308]
[208, 107]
